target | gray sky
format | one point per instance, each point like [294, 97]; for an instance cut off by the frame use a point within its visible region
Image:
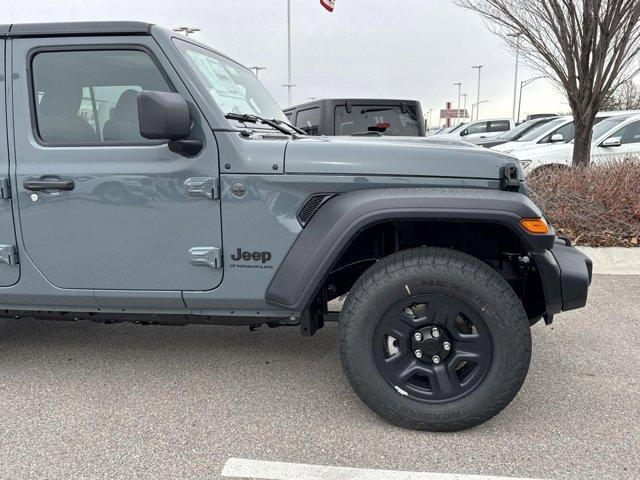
[414, 49]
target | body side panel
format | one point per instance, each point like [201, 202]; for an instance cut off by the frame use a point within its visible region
[264, 220]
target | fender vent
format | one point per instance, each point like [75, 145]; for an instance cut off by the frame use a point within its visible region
[311, 206]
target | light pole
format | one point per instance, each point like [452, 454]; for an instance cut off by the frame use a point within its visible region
[478, 102]
[187, 30]
[523, 84]
[459, 85]
[515, 80]
[256, 70]
[289, 83]
[464, 105]
[475, 105]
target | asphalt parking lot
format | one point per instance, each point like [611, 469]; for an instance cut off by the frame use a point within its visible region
[83, 400]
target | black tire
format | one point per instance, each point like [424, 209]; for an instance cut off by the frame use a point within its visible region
[434, 276]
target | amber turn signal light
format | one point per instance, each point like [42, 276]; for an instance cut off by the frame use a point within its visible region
[534, 225]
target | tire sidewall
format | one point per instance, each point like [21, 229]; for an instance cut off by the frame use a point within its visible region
[452, 277]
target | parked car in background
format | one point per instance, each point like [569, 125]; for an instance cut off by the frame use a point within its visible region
[513, 134]
[482, 129]
[536, 116]
[366, 116]
[445, 130]
[559, 130]
[617, 136]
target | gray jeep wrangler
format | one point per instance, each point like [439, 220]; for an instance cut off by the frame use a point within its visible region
[148, 178]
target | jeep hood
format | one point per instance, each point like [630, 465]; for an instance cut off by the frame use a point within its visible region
[394, 156]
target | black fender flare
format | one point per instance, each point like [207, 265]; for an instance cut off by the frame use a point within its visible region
[334, 226]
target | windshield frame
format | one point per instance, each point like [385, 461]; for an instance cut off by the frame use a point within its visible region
[185, 46]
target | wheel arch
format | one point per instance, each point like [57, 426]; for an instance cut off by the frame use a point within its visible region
[344, 218]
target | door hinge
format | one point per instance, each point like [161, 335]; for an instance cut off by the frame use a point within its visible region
[5, 188]
[207, 256]
[9, 254]
[206, 186]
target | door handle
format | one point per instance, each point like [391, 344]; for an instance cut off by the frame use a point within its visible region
[48, 183]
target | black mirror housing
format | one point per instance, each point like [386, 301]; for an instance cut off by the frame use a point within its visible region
[163, 116]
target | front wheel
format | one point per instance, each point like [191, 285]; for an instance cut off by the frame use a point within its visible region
[434, 339]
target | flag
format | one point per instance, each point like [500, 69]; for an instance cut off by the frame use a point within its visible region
[328, 4]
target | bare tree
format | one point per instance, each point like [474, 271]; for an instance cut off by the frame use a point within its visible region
[588, 47]
[626, 97]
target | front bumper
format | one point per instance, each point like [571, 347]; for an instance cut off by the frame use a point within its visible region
[565, 273]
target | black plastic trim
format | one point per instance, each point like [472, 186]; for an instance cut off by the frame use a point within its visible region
[575, 271]
[337, 223]
[550, 278]
[566, 274]
[65, 29]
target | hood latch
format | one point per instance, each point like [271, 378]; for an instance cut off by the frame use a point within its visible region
[509, 180]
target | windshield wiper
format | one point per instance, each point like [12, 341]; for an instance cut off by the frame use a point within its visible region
[274, 123]
[292, 127]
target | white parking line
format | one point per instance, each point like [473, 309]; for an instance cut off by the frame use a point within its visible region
[243, 468]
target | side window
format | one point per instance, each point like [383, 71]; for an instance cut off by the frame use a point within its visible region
[90, 96]
[309, 121]
[480, 127]
[629, 133]
[567, 131]
[499, 126]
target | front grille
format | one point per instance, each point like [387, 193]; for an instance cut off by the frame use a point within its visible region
[311, 206]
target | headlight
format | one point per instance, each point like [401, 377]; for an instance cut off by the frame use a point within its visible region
[525, 163]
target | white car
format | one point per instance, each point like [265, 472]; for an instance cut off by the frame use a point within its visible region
[558, 131]
[481, 129]
[613, 137]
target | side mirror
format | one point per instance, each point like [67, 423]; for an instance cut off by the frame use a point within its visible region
[612, 142]
[557, 137]
[464, 133]
[165, 116]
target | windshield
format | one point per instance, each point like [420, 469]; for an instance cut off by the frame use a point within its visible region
[233, 87]
[607, 124]
[521, 129]
[388, 119]
[541, 129]
[456, 128]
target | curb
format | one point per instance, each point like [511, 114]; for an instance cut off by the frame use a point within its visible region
[613, 260]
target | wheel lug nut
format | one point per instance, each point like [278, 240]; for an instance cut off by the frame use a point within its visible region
[435, 359]
[417, 336]
[446, 346]
[418, 353]
[435, 333]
